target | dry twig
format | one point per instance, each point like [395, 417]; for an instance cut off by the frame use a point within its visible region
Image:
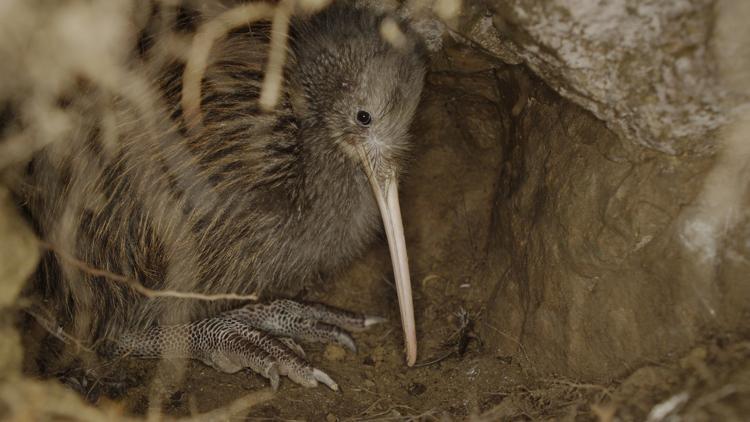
[271, 90]
[137, 286]
[200, 49]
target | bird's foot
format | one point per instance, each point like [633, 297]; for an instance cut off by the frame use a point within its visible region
[260, 337]
[305, 322]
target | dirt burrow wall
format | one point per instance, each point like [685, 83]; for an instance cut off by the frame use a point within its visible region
[647, 68]
[617, 241]
[597, 236]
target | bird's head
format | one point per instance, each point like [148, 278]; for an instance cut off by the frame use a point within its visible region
[360, 92]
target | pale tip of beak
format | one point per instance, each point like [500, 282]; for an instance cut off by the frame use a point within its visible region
[411, 359]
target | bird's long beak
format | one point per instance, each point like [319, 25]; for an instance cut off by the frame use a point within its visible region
[385, 189]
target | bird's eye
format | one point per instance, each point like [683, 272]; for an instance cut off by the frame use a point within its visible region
[364, 118]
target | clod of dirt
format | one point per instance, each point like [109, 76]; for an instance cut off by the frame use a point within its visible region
[334, 353]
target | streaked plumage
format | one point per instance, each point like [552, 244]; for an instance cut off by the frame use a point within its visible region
[249, 201]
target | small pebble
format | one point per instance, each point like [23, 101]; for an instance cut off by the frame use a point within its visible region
[369, 383]
[334, 353]
[378, 355]
[416, 389]
[332, 418]
[177, 398]
[696, 357]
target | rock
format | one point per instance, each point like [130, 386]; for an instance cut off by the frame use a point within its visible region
[574, 237]
[416, 389]
[334, 353]
[647, 68]
[378, 355]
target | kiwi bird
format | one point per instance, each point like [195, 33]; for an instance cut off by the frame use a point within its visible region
[250, 201]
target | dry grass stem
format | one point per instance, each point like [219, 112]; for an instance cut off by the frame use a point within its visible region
[513, 339]
[54, 329]
[447, 9]
[312, 6]
[390, 32]
[237, 407]
[200, 49]
[271, 90]
[33, 400]
[140, 288]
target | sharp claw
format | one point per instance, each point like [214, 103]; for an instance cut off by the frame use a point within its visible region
[347, 342]
[293, 346]
[372, 320]
[325, 379]
[272, 373]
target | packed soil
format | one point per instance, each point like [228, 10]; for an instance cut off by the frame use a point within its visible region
[457, 376]
[460, 172]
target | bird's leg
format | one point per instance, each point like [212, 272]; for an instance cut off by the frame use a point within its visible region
[257, 336]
